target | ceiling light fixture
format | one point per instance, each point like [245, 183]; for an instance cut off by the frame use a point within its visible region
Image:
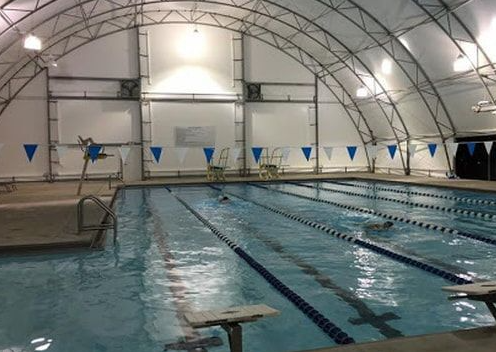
[362, 92]
[462, 64]
[387, 66]
[32, 42]
[52, 62]
[484, 106]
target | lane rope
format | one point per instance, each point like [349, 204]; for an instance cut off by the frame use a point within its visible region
[403, 202]
[324, 324]
[365, 244]
[424, 225]
[416, 193]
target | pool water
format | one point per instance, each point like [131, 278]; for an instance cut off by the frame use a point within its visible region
[132, 297]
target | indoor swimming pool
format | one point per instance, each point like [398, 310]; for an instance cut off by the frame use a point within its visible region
[303, 248]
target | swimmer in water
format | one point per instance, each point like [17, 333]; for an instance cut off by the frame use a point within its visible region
[379, 227]
[224, 199]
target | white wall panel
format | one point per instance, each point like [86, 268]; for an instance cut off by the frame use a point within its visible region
[104, 121]
[167, 116]
[281, 125]
[112, 56]
[267, 64]
[182, 61]
[337, 132]
[25, 122]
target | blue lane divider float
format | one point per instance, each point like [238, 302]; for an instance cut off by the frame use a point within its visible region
[443, 229]
[415, 193]
[366, 244]
[405, 202]
[329, 328]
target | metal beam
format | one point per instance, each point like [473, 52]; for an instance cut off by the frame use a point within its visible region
[382, 37]
[300, 24]
[457, 31]
[305, 59]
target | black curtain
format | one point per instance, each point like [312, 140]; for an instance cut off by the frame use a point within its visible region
[480, 165]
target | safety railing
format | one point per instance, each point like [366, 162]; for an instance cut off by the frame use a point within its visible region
[99, 227]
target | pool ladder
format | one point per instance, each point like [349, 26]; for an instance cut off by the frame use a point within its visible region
[104, 225]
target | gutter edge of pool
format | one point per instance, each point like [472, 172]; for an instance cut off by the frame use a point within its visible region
[475, 340]
[354, 176]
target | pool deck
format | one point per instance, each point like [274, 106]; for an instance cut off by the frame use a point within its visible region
[474, 340]
[41, 215]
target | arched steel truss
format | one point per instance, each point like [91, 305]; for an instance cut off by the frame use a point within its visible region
[128, 21]
[436, 11]
[390, 115]
[382, 37]
[458, 32]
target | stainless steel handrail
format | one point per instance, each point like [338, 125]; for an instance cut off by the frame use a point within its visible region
[103, 226]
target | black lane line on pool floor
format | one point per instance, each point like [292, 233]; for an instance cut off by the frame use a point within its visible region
[323, 323]
[416, 193]
[365, 244]
[366, 314]
[445, 230]
[474, 214]
[192, 338]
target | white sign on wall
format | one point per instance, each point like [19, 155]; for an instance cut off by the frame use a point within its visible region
[202, 136]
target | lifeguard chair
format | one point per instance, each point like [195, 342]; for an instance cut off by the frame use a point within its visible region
[269, 166]
[217, 171]
[84, 144]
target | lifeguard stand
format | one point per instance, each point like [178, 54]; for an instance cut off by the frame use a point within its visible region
[85, 144]
[217, 171]
[269, 166]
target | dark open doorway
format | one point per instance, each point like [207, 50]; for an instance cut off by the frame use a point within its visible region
[479, 165]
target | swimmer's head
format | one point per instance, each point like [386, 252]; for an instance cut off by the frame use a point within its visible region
[388, 224]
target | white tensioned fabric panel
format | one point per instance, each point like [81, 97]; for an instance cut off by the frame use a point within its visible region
[346, 37]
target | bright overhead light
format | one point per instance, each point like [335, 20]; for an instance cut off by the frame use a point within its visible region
[192, 45]
[52, 62]
[387, 66]
[405, 44]
[362, 92]
[484, 106]
[32, 42]
[462, 64]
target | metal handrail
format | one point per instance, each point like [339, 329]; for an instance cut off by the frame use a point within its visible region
[103, 226]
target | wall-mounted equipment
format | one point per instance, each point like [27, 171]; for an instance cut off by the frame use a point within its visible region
[254, 92]
[484, 106]
[130, 89]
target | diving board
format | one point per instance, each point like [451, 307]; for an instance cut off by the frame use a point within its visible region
[230, 319]
[480, 291]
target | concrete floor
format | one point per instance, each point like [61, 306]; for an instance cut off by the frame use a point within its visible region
[475, 340]
[43, 216]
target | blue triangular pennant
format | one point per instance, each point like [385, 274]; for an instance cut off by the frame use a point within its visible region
[471, 148]
[30, 150]
[257, 152]
[209, 153]
[157, 153]
[392, 150]
[93, 151]
[307, 151]
[432, 149]
[352, 151]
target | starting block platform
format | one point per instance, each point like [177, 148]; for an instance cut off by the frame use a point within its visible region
[481, 291]
[230, 319]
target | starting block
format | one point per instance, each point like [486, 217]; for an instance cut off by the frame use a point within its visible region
[230, 319]
[481, 291]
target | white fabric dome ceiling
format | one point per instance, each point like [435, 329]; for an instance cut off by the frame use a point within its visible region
[400, 52]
